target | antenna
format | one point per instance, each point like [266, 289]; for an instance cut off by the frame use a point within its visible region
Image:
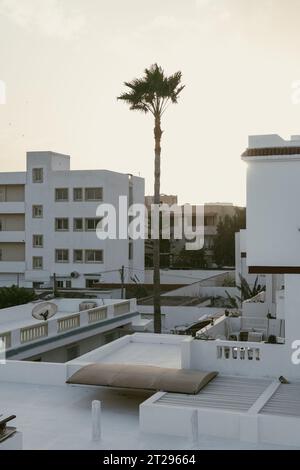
[44, 311]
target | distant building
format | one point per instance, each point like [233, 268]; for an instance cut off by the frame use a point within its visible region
[172, 250]
[48, 224]
[164, 199]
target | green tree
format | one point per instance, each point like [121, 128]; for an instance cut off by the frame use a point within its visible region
[153, 93]
[246, 292]
[194, 259]
[11, 296]
[224, 243]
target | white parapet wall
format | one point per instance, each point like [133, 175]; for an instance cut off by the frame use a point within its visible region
[240, 358]
[26, 372]
[151, 339]
[185, 276]
[25, 337]
[180, 316]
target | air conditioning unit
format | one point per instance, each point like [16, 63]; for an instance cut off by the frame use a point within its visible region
[87, 305]
[74, 274]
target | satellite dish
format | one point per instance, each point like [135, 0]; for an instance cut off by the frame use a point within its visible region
[74, 274]
[44, 311]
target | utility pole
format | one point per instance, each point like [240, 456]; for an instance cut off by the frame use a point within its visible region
[122, 281]
[54, 284]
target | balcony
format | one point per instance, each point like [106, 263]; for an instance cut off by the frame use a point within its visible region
[7, 236]
[12, 207]
[12, 266]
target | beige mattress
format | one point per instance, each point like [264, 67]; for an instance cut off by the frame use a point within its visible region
[142, 377]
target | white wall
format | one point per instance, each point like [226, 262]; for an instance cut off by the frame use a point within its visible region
[273, 194]
[197, 290]
[60, 355]
[175, 316]
[33, 372]
[181, 276]
[275, 360]
[292, 307]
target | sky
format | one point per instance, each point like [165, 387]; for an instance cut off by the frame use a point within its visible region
[63, 63]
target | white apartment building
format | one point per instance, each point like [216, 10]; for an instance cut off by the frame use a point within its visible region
[48, 224]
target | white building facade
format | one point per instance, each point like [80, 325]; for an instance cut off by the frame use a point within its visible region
[48, 220]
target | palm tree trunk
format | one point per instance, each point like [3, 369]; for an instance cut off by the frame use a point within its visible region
[156, 242]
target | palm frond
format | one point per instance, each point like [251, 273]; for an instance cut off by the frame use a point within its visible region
[153, 92]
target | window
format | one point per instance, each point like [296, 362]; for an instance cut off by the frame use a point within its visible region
[93, 256]
[78, 256]
[61, 194]
[62, 224]
[37, 285]
[91, 224]
[37, 262]
[37, 241]
[93, 194]
[61, 256]
[77, 194]
[77, 225]
[0, 254]
[109, 337]
[91, 283]
[2, 194]
[68, 284]
[73, 352]
[59, 284]
[130, 250]
[0, 225]
[37, 175]
[37, 212]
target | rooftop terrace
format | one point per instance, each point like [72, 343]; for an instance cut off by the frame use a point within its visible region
[59, 417]
[230, 412]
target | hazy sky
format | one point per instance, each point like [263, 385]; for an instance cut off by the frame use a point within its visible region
[64, 62]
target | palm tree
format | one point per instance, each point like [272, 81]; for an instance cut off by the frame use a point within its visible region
[153, 93]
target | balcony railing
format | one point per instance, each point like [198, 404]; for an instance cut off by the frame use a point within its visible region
[97, 314]
[32, 333]
[6, 339]
[68, 323]
[122, 308]
[238, 351]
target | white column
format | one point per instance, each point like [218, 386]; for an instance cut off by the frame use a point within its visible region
[194, 427]
[96, 420]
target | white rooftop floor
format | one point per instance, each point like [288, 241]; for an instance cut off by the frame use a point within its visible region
[133, 349]
[154, 354]
[59, 417]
